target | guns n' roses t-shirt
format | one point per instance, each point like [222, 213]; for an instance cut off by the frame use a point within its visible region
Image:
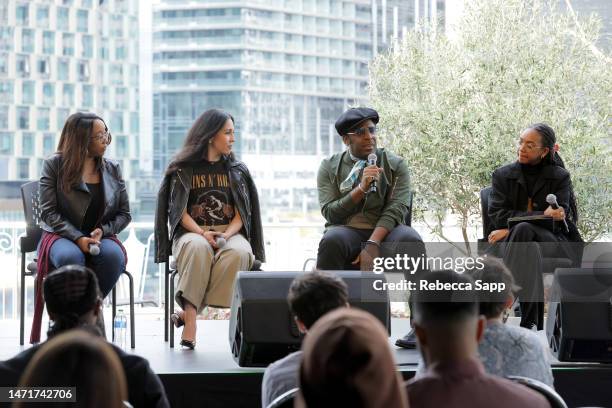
[210, 198]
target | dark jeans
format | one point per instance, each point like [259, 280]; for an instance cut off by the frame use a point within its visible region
[108, 265]
[523, 251]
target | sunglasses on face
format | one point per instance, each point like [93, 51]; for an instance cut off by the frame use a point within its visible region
[362, 131]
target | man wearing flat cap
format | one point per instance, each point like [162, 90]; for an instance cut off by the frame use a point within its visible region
[363, 222]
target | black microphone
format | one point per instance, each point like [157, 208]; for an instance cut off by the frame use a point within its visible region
[551, 199]
[372, 162]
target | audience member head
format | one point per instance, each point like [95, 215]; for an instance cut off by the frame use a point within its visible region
[492, 304]
[72, 298]
[347, 362]
[313, 294]
[78, 359]
[84, 135]
[446, 322]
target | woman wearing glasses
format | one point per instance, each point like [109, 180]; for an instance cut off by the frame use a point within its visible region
[210, 204]
[521, 189]
[83, 203]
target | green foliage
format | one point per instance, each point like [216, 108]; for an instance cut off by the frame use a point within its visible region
[454, 107]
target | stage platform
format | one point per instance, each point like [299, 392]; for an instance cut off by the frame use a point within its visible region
[209, 377]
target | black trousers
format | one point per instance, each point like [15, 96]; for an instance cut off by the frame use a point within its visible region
[523, 251]
[340, 245]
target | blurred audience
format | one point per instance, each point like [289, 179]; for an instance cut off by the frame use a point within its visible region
[348, 362]
[311, 295]
[448, 328]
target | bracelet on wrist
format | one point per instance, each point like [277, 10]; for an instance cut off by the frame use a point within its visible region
[372, 242]
[360, 188]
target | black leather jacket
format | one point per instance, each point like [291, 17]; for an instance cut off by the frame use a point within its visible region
[172, 200]
[63, 213]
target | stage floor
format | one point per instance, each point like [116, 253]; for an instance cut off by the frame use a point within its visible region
[208, 376]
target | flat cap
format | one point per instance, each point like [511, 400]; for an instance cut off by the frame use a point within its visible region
[352, 117]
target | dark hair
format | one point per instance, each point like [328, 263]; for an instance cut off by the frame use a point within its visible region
[313, 294]
[195, 148]
[548, 140]
[443, 305]
[77, 359]
[492, 304]
[70, 292]
[73, 144]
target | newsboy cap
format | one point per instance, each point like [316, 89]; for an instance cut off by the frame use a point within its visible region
[352, 117]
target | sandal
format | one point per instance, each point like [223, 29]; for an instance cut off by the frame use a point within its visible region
[188, 344]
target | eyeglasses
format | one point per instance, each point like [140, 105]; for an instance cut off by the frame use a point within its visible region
[529, 146]
[104, 137]
[361, 131]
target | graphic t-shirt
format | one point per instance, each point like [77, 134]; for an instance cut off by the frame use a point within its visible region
[210, 198]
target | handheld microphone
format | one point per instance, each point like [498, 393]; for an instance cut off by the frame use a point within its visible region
[220, 241]
[551, 199]
[94, 249]
[372, 162]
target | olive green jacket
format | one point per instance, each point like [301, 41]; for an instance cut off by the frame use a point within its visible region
[386, 208]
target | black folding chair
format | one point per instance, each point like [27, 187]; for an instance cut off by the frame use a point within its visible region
[29, 243]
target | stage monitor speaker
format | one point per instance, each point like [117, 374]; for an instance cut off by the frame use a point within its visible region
[579, 325]
[262, 329]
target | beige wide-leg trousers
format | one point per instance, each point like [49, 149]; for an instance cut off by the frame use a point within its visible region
[206, 277]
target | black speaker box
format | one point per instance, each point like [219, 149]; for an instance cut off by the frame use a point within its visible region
[579, 325]
[262, 329]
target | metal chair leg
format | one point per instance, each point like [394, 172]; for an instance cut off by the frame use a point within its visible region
[132, 319]
[166, 294]
[114, 311]
[22, 300]
[171, 305]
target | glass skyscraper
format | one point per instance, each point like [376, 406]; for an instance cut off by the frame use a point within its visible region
[58, 57]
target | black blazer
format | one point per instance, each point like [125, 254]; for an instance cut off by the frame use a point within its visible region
[63, 213]
[509, 195]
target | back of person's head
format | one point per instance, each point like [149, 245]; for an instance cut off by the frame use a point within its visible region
[78, 359]
[446, 302]
[347, 362]
[72, 297]
[313, 294]
[493, 303]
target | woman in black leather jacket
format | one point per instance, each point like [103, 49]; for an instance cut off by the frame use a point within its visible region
[521, 189]
[208, 218]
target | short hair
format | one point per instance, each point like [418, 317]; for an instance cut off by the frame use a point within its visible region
[313, 294]
[492, 304]
[78, 359]
[70, 292]
[442, 305]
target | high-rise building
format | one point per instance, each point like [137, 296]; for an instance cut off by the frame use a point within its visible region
[58, 57]
[284, 68]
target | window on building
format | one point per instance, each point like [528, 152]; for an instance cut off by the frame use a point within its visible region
[62, 115]
[121, 149]
[43, 67]
[4, 119]
[63, 19]
[23, 169]
[68, 95]
[42, 17]
[6, 91]
[116, 123]
[22, 14]
[103, 97]
[48, 42]
[116, 74]
[27, 144]
[63, 69]
[82, 21]
[48, 94]
[48, 144]
[27, 92]
[3, 63]
[23, 117]
[121, 98]
[6, 143]
[42, 120]
[87, 96]
[134, 123]
[83, 71]
[27, 40]
[67, 44]
[87, 46]
[6, 38]
[22, 66]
